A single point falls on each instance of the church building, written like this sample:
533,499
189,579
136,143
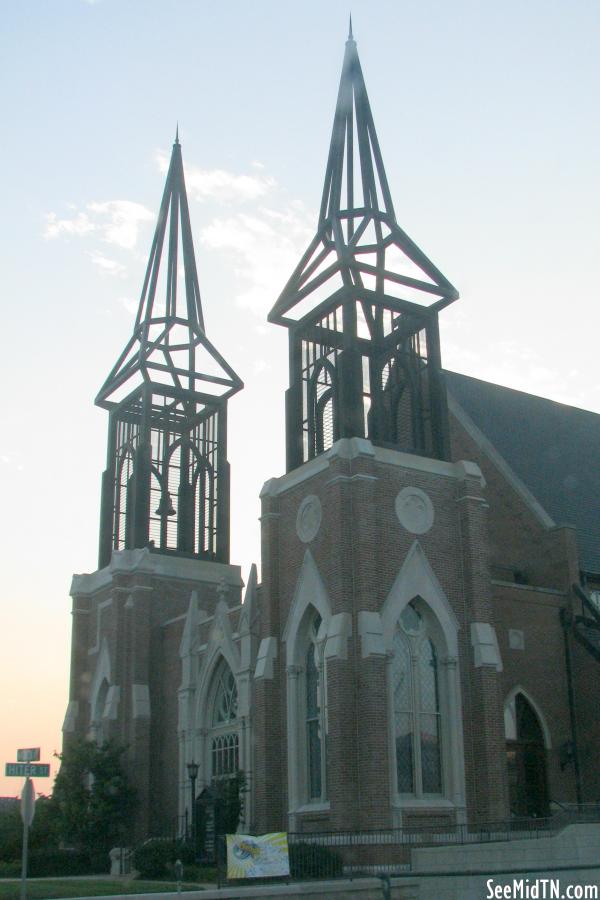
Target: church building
422,646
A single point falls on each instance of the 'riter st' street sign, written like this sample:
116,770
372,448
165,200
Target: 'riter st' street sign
23,770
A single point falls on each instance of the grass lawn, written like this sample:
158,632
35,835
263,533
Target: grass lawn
86,887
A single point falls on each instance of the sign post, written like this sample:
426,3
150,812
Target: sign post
27,765
27,814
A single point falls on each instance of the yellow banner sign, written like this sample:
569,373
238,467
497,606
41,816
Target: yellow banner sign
257,856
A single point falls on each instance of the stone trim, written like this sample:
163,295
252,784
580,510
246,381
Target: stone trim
338,634
416,578
510,715
527,587
70,719
370,630
140,701
265,659
134,562
111,707
353,448
485,646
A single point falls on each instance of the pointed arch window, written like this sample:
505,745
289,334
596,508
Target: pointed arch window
123,499
526,757
417,710
100,730
323,428
313,690
224,739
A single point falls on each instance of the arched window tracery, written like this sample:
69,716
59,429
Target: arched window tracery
224,740
417,711
323,428
123,500
98,721
312,696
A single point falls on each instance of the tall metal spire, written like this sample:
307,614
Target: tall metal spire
169,343
358,241
166,484
362,306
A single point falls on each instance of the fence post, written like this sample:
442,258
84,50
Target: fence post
386,887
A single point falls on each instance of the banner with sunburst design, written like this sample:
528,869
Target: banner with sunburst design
257,856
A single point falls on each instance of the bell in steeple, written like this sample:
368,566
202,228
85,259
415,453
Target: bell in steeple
362,306
167,396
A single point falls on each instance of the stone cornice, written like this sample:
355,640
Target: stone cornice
353,448
157,565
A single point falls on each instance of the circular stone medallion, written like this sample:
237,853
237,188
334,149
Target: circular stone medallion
414,510
308,519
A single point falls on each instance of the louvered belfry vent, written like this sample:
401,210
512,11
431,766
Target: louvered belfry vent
166,485
362,307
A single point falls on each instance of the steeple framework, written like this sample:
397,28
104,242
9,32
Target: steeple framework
166,484
362,306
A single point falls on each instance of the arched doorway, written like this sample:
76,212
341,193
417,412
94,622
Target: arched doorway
526,760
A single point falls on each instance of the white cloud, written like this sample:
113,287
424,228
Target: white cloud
129,304
120,220
263,254
513,365
219,184
259,366
116,222
108,266
79,225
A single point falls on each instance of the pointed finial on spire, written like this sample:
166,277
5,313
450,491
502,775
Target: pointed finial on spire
350,35
177,134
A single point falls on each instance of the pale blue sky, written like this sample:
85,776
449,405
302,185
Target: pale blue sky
487,115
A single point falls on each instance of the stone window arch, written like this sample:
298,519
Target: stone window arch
307,708
99,722
418,708
527,745
314,732
417,584
223,743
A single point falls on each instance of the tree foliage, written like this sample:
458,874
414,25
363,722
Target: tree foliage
42,834
229,808
93,801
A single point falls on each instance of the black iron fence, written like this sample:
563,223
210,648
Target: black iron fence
348,854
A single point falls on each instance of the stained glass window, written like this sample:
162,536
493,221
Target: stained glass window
313,725
225,698
224,742
225,752
417,727
403,715
431,770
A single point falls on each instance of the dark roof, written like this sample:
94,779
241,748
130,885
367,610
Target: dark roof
553,448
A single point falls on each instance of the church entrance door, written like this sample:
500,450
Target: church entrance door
526,759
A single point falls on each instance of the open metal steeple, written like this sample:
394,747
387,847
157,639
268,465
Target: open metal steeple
166,485
362,306
169,344
359,243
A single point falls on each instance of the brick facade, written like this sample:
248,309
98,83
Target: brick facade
155,628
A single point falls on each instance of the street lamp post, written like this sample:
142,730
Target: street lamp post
192,768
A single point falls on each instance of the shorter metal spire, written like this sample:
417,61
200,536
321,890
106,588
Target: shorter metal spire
177,134
350,35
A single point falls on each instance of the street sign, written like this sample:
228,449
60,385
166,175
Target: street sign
24,770
29,754
28,802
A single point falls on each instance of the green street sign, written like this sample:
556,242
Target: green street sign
23,770
28,754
